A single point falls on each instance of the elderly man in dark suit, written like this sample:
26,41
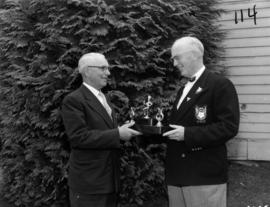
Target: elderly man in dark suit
94,137
204,117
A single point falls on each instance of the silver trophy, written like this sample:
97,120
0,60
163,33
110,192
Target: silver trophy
144,121
159,117
147,105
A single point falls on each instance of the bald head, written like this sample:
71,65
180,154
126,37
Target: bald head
189,44
187,55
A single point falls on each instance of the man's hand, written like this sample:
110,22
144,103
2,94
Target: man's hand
126,133
177,133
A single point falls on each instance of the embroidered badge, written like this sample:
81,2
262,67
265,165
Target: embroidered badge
201,113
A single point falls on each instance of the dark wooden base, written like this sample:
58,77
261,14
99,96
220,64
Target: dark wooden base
145,129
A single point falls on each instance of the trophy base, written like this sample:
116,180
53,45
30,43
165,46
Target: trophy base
151,130
146,127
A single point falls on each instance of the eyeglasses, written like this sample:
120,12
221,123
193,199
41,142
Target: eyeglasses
103,68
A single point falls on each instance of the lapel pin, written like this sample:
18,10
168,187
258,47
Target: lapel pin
188,98
199,90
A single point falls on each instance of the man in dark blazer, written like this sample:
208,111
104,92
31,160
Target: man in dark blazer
94,137
204,117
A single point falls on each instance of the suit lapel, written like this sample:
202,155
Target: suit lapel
194,94
95,104
114,118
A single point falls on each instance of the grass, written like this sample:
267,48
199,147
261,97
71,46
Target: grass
249,186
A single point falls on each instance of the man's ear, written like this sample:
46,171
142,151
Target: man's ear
87,72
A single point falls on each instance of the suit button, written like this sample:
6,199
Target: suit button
183,155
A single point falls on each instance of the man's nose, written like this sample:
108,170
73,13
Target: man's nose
108,72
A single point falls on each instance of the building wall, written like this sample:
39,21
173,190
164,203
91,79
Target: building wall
247,44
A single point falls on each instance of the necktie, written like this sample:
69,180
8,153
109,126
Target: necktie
105,104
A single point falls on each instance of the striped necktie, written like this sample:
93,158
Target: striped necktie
105,104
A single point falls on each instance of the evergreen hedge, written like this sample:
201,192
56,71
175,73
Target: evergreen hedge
41,41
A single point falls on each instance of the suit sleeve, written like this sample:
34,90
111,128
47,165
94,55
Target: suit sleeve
225,123
80,134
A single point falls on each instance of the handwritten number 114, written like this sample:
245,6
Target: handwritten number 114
249,15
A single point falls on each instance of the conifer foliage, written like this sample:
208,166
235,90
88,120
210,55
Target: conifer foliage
41,41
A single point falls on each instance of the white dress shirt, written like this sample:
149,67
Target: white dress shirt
94,91
189,85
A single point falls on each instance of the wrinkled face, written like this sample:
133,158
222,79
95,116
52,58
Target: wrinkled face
97,73
183,60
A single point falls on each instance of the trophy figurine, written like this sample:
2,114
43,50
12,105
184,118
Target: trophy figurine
144,121
131,113
147,104
159,117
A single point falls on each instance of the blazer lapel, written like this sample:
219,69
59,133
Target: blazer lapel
95,104
174,108
195,92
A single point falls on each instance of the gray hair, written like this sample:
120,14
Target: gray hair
88,58
194,43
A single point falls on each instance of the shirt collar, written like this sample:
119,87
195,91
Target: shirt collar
92,89
199,73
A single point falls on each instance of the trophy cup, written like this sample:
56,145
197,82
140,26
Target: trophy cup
145,123
146,119
159,117
147,104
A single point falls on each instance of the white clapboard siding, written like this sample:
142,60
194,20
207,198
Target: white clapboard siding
255,108
230,14
237,1
262,41
244,5
251,80
248,23
247,59
261,146
247,52
247,149
248,70
254,99
237,149
255,127
251,135
247,32
248,117
252,89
